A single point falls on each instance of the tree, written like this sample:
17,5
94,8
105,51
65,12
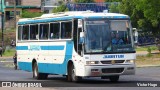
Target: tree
145,14
128,7
151,12
113,5
114,8
27,14
61,8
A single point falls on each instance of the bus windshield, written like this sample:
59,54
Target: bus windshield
113,36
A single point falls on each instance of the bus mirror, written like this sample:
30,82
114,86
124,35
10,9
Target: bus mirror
81,34
135,35
81,37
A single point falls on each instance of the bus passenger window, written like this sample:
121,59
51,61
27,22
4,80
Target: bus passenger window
25,32
44,28
33,32
54,30
66,30
20,28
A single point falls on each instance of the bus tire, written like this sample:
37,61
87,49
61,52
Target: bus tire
44,76
69,74
36,73
114,78
73,75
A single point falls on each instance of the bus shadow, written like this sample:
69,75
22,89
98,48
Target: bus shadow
89,81
86,82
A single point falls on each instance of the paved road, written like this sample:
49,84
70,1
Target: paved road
149,74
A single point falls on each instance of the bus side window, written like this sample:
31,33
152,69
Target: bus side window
20,28
33,32
66,30
44,28
79,42
54,30
25,32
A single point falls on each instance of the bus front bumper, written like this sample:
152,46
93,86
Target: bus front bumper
109,70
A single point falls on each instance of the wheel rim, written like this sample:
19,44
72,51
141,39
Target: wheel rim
35,72
73,74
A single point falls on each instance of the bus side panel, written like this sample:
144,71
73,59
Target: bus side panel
27,66
58,68
22,59
68,55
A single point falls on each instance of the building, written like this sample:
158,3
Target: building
45,6
29,5
48,5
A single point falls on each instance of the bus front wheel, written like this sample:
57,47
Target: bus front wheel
72,75
36,73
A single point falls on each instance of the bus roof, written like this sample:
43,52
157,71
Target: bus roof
69,15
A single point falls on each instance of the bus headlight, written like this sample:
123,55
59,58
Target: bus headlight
130,61
92,62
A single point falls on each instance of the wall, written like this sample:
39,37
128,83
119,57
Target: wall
31,3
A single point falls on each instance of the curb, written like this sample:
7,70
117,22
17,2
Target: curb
6,61
143,66
6,57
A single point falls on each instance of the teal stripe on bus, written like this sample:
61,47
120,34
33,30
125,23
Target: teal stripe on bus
21,47
27,66
60,47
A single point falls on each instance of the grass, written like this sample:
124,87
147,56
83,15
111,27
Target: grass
154,59
9,52
145,48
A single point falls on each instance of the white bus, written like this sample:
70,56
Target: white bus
76,45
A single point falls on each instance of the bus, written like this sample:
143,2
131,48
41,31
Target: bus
76,44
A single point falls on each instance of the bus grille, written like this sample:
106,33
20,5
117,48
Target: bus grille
111,61
112,70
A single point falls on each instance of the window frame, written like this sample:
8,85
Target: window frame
39,30
20,33
59,33
28,32
71,37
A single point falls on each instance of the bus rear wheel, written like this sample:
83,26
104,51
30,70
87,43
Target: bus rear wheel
36,73
114,78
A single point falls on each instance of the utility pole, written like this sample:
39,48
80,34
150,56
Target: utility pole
15,14
2,23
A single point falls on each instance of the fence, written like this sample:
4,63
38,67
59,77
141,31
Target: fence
96,7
